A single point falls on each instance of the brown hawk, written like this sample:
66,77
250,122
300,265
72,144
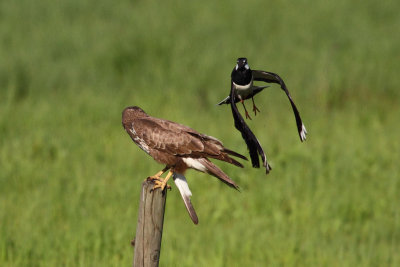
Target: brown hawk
179,148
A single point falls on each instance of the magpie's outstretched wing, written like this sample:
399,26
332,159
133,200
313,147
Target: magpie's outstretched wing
252,143
256,90
269,77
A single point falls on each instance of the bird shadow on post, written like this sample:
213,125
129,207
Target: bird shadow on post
149,227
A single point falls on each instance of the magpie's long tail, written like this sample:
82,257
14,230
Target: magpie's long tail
253,145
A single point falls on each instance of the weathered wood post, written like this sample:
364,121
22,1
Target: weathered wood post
149,226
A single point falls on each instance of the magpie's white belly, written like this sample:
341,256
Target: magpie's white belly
243,90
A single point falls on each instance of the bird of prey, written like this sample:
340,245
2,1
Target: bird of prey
242,88
179,148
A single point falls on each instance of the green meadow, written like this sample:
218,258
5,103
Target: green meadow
70,176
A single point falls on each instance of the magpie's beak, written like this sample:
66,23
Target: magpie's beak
241,63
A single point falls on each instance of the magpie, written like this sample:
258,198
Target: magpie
242,82
242,88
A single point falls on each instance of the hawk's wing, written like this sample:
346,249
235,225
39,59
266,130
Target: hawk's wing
178,128
180,140
167,136
253,145
269,77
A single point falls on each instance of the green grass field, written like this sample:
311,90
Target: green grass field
70,176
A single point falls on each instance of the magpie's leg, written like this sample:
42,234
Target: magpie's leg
162,183
245,110
255,109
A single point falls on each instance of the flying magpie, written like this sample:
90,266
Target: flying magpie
242,88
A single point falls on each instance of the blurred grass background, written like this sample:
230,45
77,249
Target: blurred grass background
70,176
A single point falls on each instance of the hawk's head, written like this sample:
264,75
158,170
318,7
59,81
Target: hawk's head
131,113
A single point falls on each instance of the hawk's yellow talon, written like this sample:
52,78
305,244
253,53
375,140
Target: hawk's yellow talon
159,182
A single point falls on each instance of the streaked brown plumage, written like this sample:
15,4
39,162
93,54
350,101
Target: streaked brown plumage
177,146
170,143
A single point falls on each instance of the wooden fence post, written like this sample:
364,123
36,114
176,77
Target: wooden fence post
149,226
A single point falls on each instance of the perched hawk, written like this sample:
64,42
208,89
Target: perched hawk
179,148
242,88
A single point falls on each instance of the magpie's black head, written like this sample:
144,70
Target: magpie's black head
242,63
241,74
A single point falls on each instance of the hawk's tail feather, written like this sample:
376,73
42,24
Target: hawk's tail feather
230,160
183,187
233,153
213,170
